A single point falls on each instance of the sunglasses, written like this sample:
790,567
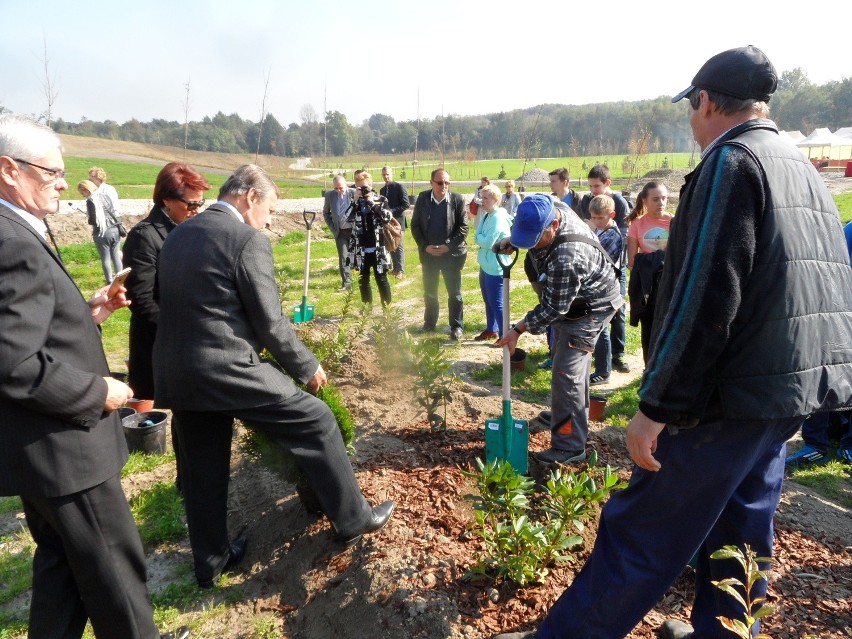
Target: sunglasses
440,183
192,205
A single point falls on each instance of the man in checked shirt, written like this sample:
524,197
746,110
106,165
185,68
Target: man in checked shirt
579,294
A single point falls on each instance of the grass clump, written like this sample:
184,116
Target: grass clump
159,514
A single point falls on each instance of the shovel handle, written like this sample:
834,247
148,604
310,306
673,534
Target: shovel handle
309,223
507,266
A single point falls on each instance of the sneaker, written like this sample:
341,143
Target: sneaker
620,365
597,378
547,364
557,456
844,455
806,456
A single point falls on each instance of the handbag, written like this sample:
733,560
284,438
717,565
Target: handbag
392,232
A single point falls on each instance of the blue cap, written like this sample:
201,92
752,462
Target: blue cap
534,214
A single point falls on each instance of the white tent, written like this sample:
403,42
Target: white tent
822,143
793,136
845,132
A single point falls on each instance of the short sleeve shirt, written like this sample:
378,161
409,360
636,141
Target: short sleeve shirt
651,233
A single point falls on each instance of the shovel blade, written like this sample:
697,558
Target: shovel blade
512,446
303,313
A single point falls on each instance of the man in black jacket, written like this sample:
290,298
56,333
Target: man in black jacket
754,315
439,226
397,198
63,444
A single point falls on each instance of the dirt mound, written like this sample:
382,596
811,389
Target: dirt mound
534,176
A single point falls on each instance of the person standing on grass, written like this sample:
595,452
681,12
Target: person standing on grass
647,238
510,199
602,223
600,183
105,232
494,225
106,191
367,250
560,184
398,202
439,226
63,443
753,316
335,212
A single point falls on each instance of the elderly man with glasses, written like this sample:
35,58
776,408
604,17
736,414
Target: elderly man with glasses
336,211
439,226
63,444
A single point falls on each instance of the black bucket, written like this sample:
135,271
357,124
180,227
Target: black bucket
126,411
146,432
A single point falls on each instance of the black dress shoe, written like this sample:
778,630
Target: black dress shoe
236,553
456,334
379,517
180,633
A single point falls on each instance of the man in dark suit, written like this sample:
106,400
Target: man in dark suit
439,226
63,445
219,308
397,198
335,211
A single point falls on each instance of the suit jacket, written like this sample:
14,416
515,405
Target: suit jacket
142,254
56,438
398,201
457,225
219,309
329,210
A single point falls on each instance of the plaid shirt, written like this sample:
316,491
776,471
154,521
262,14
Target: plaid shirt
571,270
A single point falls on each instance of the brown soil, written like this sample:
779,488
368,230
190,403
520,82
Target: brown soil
408,580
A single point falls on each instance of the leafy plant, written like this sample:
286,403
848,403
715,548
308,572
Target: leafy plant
393,345
432,364
754,609
522,543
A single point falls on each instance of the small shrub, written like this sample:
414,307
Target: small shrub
522,543
432,364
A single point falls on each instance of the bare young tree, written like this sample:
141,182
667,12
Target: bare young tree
262,114
186,118
49,84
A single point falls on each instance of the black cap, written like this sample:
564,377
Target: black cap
744,73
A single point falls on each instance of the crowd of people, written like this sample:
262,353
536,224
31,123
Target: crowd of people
738,296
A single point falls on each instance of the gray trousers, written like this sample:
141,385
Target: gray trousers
573,343
342,241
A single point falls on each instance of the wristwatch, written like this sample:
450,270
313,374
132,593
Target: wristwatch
517,329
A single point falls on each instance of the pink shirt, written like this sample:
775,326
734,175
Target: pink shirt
651,233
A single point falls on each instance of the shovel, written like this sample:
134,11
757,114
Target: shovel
507,438
304,312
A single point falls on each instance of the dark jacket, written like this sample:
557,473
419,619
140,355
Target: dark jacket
142,254
457,225
219,309
755,301
644,282
398,201
57,440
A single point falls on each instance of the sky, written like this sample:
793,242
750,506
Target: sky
126,59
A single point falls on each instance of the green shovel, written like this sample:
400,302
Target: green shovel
304,312
507,438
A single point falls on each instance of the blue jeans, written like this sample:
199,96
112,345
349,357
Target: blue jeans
109,250
603,349
492,294
719,484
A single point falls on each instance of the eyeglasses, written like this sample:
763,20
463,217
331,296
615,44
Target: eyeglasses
192,205
441,183
56,174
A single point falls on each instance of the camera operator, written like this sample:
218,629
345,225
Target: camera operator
370,212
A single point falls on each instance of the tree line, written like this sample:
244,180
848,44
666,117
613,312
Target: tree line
548,130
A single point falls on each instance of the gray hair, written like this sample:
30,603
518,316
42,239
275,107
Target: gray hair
24,138
729,105
249,176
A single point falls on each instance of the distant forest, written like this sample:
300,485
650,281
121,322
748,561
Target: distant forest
548,130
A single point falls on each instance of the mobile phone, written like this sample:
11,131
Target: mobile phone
117,282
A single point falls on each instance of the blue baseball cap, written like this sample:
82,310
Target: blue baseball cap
534,214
